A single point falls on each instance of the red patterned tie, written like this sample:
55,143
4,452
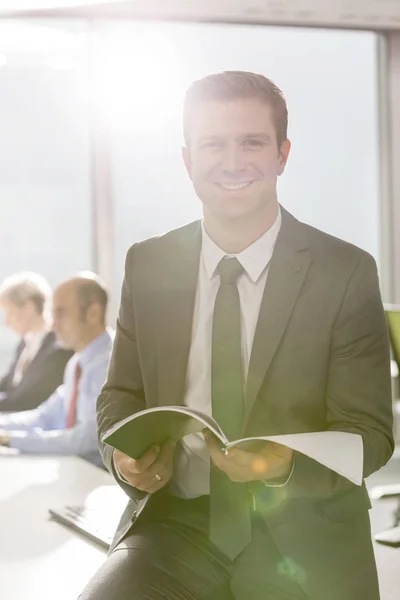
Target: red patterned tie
71,416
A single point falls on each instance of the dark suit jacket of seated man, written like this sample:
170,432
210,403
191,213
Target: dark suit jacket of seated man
66,422
314,354
39,362
40,379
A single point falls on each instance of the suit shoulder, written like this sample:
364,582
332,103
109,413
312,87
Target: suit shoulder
158,244
169,238
333,249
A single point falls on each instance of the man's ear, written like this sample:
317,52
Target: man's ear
94,314
186,159
284,152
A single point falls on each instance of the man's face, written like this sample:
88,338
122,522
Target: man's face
233,158
18,318
67,319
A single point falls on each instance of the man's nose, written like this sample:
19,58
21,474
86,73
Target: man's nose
233,160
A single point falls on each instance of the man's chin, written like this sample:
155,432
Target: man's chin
232,211
233,207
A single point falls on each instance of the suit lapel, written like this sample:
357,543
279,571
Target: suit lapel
287,272
175,312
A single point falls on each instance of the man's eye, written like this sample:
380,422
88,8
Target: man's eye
251,142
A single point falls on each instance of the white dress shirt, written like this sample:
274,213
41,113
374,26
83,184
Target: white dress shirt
192,467
33,341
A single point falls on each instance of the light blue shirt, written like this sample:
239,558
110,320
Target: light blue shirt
43,430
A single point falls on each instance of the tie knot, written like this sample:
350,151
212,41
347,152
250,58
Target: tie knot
229,270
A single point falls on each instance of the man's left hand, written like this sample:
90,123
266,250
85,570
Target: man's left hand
270,460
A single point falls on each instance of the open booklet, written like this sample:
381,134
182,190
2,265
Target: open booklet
339,451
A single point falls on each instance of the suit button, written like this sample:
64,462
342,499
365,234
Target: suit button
297,268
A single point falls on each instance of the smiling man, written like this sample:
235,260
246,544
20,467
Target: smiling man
272,327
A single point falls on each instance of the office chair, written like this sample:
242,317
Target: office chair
392,312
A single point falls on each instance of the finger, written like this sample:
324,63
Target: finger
157,470
121,462
166,454
277,449
156,478
156,486
214,449
145,481
118,455
120,458
151,486
213,443
218,455
161,468
282,451
145,461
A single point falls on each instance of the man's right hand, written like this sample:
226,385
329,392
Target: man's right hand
152,471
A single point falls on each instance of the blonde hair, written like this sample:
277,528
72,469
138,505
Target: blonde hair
27,286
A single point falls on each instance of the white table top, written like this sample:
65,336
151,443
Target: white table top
37,555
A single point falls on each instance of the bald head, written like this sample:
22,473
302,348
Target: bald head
79,309
88,289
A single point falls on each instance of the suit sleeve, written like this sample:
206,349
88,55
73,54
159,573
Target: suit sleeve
7,379
122,394
5,384
27,397
358,393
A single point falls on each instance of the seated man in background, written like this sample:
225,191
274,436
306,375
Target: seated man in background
38,366
66,422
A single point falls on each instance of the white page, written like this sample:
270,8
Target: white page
196,421
340,451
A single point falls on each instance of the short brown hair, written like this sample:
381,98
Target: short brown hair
235,85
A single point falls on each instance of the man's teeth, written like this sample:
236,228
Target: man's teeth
231,187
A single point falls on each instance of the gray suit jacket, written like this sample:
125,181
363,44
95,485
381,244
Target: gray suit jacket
320,361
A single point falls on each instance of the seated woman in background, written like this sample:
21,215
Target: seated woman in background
39,362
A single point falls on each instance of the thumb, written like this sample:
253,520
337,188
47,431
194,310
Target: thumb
167,451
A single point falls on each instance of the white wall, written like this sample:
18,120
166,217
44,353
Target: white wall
142,71
45,204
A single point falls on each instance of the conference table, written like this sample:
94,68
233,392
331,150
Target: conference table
39,558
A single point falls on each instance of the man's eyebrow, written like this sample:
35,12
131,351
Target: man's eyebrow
207,138
260,136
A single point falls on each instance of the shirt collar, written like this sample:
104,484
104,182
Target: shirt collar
35,337
253,259
91,350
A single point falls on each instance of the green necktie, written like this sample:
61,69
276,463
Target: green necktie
230,524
